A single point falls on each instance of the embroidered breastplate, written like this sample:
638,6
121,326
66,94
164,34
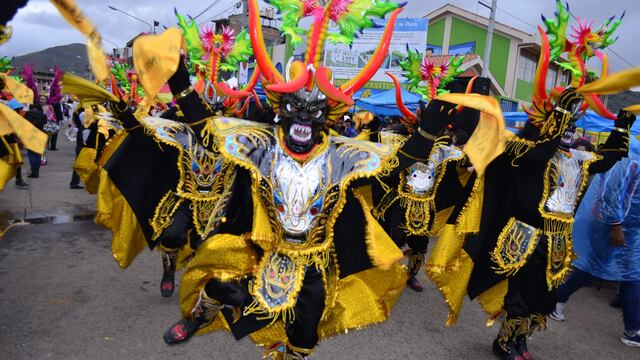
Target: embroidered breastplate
204,177
300,201
417,190
564,180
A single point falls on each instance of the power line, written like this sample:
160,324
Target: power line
218,14
517,18
620,57
213,3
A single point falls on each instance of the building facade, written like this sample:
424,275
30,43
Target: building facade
514,52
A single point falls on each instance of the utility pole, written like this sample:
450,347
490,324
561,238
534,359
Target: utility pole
245,13
487,48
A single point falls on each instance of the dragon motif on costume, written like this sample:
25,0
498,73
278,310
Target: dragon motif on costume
209,53
582,44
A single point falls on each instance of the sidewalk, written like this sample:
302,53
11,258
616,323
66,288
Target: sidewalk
49,195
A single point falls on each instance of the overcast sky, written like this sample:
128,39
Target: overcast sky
38,25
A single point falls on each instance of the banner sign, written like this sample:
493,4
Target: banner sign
346,62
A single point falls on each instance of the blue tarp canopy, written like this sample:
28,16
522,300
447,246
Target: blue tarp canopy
384,103
590,121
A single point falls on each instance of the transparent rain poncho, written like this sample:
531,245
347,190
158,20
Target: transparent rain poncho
613,197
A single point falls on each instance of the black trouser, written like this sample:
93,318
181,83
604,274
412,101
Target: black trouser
53,140
302,331
418,244
175,236
528,292
394,227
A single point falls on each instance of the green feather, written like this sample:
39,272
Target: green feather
412,68
241,52
192,41
291,11
359,16
570,67
557,30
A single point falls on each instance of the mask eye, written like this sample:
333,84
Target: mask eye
317,114
288,107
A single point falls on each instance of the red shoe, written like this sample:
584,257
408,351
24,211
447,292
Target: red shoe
521,347
414,284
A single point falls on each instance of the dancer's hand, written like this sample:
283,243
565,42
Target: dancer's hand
625,120
616,235
436,115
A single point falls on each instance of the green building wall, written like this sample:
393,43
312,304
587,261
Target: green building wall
463,32
524,90
435,33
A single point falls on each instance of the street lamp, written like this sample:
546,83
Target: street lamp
151,27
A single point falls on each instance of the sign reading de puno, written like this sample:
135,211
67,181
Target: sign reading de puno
346,62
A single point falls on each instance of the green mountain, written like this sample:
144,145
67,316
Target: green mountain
70,58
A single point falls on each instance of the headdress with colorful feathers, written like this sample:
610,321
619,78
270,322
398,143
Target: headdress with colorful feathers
209,53
424,70
310,76
27,75
580,46
124,83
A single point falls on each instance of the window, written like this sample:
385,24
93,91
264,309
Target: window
551,78
564,78
526,67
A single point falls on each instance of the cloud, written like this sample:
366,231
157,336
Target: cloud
38,26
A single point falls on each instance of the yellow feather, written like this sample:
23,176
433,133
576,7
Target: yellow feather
614,83
488,138
633,108
88,92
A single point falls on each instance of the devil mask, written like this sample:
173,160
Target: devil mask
302,117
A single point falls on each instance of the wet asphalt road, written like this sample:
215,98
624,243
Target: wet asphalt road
63,297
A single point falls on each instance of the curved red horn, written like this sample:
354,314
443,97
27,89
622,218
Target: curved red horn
244,107
302,76
467,91
263,59
403,109
257,100
596,104
224,89
253,80
353,85
324,84
540,79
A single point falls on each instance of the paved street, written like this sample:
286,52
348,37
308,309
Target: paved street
63,297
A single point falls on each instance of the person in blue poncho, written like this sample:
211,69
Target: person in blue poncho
607,240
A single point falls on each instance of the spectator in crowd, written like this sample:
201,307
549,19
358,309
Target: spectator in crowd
18,107
607,240
80,141
583,144
37,118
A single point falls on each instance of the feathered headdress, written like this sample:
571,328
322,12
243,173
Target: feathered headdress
124,83
27,75
310,76
419,70
580,46
209,53
55,89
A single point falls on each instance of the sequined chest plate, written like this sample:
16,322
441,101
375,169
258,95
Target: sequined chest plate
565,178
298,193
